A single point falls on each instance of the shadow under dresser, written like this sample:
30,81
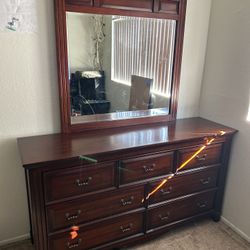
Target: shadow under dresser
105,198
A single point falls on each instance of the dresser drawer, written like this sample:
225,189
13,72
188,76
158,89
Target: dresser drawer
184,184
180,209
94,207
142,168
100,233
211,155
79,180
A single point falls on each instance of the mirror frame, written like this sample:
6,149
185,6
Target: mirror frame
63,6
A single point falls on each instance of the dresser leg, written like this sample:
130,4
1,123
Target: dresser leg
216,216
31,237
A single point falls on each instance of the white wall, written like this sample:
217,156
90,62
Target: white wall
225,99
194,50
80,32
28,106
29,99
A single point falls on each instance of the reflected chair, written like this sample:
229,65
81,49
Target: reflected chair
140,93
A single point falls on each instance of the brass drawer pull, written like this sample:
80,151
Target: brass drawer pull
205,182
74,216
202,204
201,158
149,168
164,218
166,192
74,244
84,183
127,202
126,229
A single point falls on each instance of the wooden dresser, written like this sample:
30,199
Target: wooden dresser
105,198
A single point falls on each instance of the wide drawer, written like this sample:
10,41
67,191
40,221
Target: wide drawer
184,184
79,180
100,233
211,155
180,209
94,207
142,168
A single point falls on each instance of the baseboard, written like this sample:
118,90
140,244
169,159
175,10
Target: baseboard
15,239
236,229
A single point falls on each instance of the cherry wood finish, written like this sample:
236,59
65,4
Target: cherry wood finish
138,5
211,155
142,168
78,181
80,2
101,233
167,6
108,207
179,209
141,8
186,183
53,150
101,205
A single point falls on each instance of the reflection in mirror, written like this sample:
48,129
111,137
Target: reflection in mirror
119,67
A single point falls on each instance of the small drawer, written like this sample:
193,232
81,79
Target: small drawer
167,6
79,180
98,206
184,184
100,233
211,155
146,167
80,2
180,209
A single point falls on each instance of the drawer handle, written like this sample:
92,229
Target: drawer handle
126,229
74,216
164,218
74,244
202,204
205,182
127,202
166,192
84,183
201,158
149,168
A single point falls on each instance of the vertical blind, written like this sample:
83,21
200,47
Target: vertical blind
143,47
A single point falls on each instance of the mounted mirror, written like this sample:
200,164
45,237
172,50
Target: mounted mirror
118,64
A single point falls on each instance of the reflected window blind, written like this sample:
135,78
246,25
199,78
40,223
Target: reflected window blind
143,47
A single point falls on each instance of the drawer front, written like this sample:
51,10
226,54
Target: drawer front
80,2
68,183
211,155
167,6
142,168
185,184
139,5
94,207
180,209
100,233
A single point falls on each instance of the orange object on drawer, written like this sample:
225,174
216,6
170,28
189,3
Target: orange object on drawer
211,155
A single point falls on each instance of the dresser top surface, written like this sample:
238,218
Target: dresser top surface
46,148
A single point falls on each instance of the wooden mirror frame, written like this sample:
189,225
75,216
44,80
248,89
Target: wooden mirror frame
166,9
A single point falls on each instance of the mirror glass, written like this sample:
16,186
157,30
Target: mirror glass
120,67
